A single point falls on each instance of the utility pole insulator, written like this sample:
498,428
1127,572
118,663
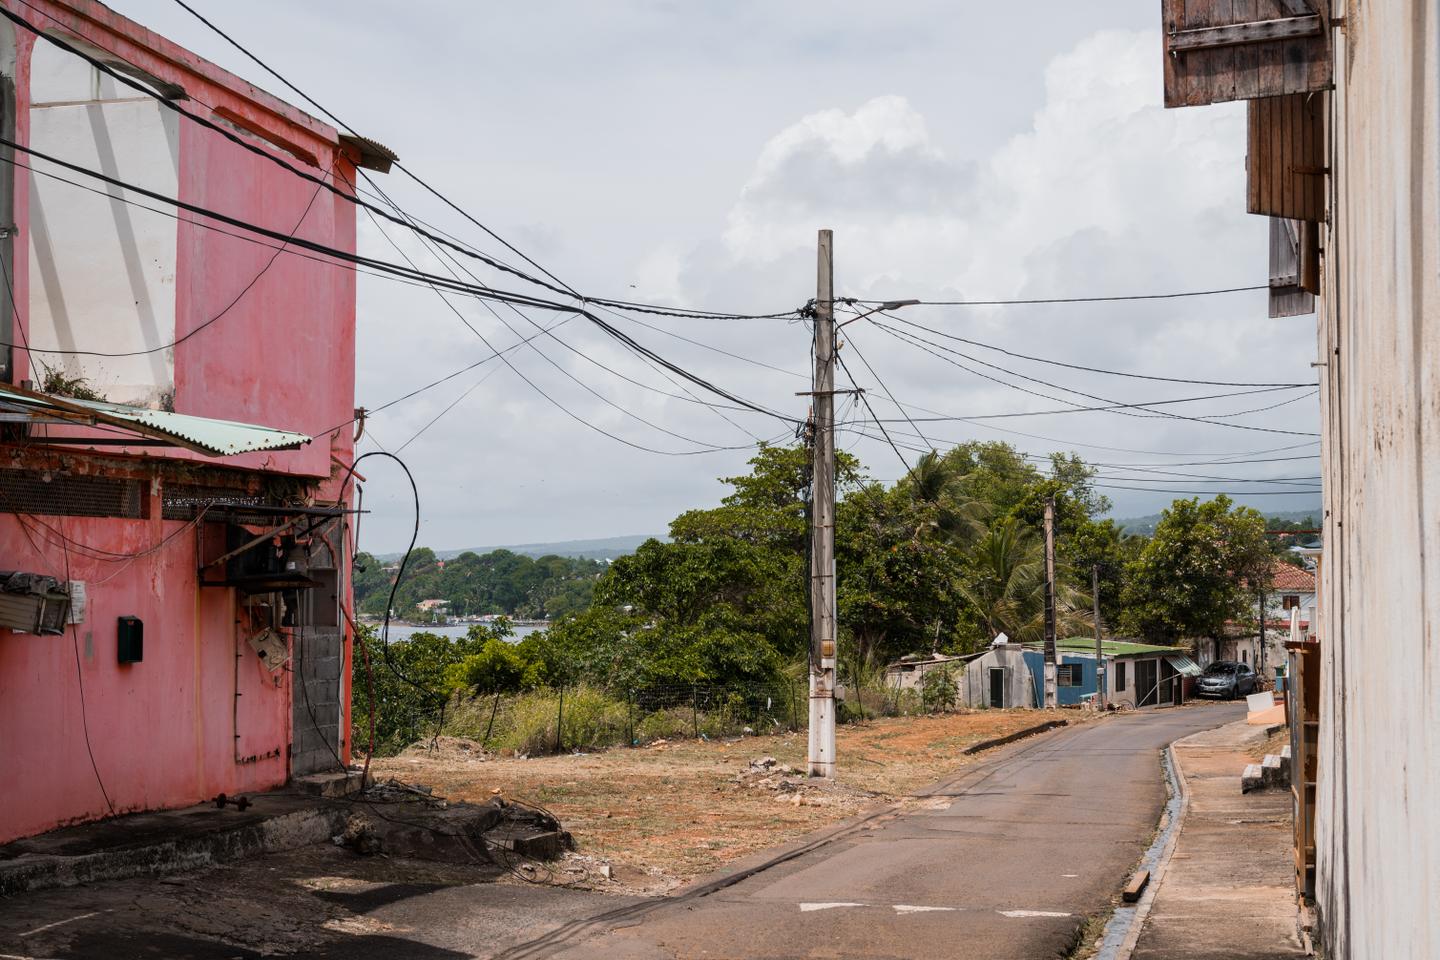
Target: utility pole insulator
821,753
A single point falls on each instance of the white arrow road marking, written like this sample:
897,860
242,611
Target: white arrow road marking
1031,913
812,907
907,908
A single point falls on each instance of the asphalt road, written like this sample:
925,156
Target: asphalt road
1006,860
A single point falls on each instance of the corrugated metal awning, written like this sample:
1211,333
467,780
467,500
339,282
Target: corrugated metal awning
218,438
1184,666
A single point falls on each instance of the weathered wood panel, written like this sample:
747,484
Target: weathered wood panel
1285,169
1220,50
1289,244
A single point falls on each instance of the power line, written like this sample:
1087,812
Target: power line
621,304
854,346
1088,369
477,290
1045,300
556,403
920,342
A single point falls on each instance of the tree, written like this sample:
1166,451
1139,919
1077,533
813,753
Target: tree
1189,579
1005,585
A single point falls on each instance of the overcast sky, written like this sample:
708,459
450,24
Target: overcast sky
687,152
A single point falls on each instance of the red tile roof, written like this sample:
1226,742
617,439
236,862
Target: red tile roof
1290,579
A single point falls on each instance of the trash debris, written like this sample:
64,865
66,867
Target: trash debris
763,763
359,835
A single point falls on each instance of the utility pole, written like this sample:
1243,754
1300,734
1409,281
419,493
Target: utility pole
821,755
1050,695
1260,654
1102,672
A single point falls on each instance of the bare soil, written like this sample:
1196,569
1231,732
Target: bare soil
666,813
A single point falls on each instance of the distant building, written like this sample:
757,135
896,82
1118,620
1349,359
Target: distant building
1137,674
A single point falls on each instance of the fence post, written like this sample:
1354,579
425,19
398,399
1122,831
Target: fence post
491,725
695,707
630,718
559,718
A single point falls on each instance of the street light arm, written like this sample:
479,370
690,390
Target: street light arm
887,305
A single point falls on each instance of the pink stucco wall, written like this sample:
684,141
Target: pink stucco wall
163,731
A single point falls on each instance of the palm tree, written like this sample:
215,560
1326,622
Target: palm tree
1007,586
936,485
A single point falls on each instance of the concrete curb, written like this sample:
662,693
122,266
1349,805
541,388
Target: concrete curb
1122,932
288,831
975,748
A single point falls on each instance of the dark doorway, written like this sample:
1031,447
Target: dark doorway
1147,682
997,686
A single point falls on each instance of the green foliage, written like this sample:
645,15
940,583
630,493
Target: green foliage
1188,579
938,690
413,679
499,582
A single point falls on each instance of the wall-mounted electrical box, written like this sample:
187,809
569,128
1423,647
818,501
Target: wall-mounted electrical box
130,640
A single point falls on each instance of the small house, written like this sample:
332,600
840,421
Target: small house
1136,674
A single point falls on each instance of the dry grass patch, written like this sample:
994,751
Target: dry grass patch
673,811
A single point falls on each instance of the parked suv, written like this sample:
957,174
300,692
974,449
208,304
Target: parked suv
1225,679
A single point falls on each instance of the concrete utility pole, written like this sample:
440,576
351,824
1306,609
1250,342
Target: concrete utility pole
1102,672
821,756
1050,695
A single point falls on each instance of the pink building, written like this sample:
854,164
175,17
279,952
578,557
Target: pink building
177,677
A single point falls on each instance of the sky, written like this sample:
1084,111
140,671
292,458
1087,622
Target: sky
687,153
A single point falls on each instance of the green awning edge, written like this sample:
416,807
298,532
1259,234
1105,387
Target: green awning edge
219,438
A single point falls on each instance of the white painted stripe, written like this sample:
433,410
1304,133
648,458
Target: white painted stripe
1031,913
61,923
812,907
907,908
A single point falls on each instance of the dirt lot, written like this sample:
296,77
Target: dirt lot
669,812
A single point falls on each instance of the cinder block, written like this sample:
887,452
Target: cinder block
1252,779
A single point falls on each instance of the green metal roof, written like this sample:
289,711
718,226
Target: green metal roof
1114,648
220,438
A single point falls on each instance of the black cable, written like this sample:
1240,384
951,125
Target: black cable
866,401
80,681
534,386
1125,409
856,347
480,291
1110,299
1099,446
621,304
1078,366
256,149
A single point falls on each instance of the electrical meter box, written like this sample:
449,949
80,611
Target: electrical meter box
130,640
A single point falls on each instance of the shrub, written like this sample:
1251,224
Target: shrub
588,718
938,691
672,723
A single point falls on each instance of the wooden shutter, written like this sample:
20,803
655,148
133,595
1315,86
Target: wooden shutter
1285,168
1294,267
1219,50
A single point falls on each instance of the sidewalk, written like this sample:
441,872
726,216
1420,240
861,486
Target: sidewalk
1229,889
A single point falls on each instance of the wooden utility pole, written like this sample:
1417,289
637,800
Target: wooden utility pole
1050,694
1102,672
821,755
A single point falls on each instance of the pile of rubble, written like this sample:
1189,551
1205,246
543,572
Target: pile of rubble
790,784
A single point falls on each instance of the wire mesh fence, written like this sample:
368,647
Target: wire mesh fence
588,717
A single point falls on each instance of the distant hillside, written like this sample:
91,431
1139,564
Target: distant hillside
1146,525
607,548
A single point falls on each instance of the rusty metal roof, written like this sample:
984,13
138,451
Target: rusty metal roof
218,438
